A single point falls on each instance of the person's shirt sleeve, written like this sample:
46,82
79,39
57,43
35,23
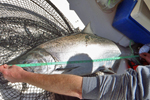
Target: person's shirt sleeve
134,85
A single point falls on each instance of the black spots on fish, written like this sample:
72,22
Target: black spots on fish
87,38
92,38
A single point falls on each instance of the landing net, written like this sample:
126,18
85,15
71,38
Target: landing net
25,24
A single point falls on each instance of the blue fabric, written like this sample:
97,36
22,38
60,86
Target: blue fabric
133,85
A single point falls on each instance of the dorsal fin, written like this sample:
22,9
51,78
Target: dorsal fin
88,29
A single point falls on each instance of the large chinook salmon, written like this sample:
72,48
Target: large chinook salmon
81,46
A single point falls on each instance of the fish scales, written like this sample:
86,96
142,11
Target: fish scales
81,46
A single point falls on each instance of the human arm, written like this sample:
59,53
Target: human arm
133,85
70,85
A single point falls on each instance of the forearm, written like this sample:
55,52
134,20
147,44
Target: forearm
70,85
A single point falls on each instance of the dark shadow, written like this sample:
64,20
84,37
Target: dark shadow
63,97
79,68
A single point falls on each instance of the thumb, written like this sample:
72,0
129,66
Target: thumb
1,68
6,66
143,55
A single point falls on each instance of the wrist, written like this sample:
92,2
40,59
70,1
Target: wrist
24,76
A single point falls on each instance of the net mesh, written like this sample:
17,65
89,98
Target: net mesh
24,24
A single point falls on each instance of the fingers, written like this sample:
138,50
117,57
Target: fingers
3,67
144,55
6,66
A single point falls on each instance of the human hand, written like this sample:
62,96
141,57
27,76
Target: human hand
145,56
12,73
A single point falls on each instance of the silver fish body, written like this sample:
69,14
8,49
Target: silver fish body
76,47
